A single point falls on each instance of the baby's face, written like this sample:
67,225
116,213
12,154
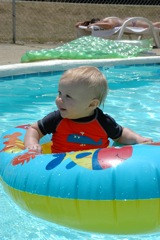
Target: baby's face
73,100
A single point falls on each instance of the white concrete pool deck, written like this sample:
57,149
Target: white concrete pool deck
10,60
12,53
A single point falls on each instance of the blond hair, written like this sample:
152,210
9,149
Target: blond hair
89,77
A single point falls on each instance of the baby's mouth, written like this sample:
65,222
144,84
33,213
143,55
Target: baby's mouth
62,109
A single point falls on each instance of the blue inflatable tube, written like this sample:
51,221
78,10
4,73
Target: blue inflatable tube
112,190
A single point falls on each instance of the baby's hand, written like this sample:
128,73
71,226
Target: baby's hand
147,140
35,147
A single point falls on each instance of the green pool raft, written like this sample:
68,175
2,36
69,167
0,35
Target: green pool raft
90,47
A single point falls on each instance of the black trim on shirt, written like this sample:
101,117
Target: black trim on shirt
50,122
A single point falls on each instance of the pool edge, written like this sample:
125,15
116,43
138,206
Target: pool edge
58,65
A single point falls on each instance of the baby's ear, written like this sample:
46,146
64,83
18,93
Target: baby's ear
94,103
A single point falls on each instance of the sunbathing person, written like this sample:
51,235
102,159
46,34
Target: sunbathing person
111,22
106,23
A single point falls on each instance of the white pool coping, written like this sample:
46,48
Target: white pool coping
58,65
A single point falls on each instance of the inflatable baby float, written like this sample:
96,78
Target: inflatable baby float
113,190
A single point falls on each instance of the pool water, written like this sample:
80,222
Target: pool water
134,102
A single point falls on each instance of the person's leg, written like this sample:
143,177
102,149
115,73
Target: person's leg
156,24
140,24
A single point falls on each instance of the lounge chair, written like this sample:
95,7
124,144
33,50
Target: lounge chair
123,30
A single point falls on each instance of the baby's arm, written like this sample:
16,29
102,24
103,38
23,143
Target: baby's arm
32,137
130,137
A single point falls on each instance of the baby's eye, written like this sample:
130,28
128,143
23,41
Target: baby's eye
68,96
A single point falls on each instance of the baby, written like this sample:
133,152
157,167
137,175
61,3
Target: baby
79,124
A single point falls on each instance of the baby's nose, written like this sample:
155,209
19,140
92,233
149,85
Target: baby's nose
60,99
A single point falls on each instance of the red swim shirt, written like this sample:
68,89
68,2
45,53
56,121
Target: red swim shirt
81,134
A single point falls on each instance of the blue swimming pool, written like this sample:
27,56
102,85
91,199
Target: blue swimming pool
133,101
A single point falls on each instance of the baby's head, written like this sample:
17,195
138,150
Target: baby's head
90,79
